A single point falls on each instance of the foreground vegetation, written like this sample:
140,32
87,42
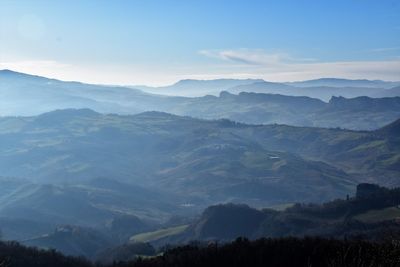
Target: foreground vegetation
241,252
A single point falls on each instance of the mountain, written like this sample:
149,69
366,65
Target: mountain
372,156
337,82
322,92
264,87
392,92
162,151
21,229
371,213
323,88
257,108
373,110
23,94
27,95
195,88
72,241
50,203
64,154
121,227
13,254
227,222
88,205
391,131
89,243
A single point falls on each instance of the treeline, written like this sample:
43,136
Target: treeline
12,254
278,252
242,252
368,197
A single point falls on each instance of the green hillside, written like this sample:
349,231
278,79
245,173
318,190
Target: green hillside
158,234
391,213
86,168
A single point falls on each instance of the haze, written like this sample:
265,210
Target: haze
158,43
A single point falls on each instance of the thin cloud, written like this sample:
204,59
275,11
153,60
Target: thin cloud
385,49
283,67
278,68
256,57
29,65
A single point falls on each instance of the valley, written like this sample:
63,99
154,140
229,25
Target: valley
102,179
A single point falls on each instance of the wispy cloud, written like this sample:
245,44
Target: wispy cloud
29,65
284,67
96,73
385,49
257,57
242,63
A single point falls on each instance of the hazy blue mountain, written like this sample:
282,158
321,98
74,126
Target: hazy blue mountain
337,82
322,92
265,87
252,108
194,88
392,92
23,94
373,156
28,95
323,88
20,229
55,204
73,241
211,161
89,205
358,113
208,160
9,184
299,111
120,175
390,131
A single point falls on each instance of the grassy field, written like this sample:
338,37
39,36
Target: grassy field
158,234
280,207
379,215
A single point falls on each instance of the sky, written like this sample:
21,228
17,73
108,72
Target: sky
158,42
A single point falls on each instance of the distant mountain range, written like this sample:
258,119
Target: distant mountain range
335,82
27,95
323,88
197,88
322,92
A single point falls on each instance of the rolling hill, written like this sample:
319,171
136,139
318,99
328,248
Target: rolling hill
107,171
371,215
211,161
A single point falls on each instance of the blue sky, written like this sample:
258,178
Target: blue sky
159,42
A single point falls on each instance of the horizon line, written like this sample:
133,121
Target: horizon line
191,79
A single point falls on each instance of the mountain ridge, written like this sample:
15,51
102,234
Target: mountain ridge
26,98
